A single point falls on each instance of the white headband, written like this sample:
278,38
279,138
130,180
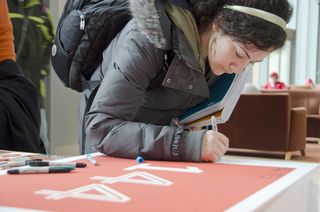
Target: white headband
260,14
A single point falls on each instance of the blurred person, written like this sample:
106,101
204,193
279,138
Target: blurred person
19,105
309,82
33,37
274,83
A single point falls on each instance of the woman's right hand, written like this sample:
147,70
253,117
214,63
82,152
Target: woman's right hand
214,146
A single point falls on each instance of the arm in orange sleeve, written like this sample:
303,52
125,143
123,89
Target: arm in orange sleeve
6,33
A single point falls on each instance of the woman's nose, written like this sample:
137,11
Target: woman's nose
238,66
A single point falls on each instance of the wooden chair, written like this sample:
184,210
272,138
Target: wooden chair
297,87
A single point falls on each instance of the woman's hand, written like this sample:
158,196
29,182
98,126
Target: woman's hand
214,146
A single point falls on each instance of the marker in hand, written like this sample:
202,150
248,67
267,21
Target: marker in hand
214,123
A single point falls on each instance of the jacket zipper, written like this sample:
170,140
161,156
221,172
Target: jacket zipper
82,22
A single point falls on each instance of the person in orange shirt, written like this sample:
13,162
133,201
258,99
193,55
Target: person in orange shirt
19,103
274,83
6,35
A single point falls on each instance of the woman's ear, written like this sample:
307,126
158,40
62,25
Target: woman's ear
215,28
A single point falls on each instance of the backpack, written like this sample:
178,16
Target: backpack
85,29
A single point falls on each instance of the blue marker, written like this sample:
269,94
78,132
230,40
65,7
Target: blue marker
139,159
66,167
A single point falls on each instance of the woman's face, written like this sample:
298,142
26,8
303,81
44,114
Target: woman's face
230,56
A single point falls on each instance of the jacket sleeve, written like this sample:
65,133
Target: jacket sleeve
265,86
283,86
19,111
109,124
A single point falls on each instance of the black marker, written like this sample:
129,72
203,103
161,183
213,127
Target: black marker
19,163
37,170
56,163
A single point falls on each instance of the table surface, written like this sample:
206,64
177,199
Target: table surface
123,184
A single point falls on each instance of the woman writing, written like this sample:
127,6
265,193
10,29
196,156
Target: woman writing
186,45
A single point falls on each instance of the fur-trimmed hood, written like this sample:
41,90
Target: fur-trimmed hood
152,20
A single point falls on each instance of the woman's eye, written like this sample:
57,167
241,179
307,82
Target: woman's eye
238,55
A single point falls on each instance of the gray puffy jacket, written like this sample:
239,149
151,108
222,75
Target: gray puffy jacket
128,120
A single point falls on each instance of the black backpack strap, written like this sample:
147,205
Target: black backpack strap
90,84
88,105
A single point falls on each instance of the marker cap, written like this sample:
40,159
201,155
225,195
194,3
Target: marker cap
139,159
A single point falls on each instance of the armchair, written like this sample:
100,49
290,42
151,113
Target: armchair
266,122
310,99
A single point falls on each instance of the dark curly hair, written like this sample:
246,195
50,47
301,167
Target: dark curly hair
242,27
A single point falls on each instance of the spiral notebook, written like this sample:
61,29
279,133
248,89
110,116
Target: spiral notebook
224,96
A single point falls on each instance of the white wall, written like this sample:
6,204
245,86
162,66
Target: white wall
306,40
62,106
